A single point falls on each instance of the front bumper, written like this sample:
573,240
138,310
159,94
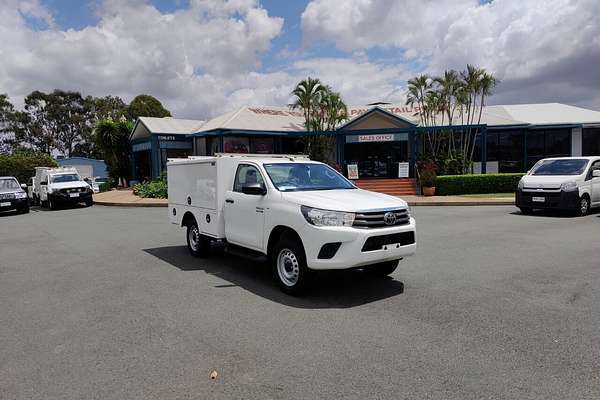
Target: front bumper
552,200
65,198
358,247
14,204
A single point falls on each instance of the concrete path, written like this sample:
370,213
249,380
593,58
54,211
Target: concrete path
126,198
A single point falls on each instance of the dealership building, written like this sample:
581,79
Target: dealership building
380,140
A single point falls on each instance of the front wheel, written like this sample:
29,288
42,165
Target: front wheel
89,203
24,210
583,206
289,267
51,204
526,210
198,244
384,268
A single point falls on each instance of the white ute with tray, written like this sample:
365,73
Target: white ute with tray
301,215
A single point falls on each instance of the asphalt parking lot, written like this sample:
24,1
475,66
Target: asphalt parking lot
106,303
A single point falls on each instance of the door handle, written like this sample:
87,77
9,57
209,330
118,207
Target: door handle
229,201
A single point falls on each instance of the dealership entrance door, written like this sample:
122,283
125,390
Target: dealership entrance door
377,156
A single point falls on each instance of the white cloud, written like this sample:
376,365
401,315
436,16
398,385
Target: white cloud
542,50
190,59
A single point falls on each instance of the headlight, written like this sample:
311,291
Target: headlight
320,217
521,184
570,186
21,195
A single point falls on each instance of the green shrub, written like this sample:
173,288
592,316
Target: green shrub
474,184
22,165
156,189
105,187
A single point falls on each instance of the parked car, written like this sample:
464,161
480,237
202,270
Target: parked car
299,214
61,186
13,195
565,183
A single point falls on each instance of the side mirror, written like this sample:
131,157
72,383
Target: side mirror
596,173
257,189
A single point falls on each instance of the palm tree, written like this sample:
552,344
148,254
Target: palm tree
448,86
112,138
307,95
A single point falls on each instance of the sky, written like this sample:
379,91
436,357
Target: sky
205,57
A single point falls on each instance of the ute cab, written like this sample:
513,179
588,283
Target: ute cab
565,183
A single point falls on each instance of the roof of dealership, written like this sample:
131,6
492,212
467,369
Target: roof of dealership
284,119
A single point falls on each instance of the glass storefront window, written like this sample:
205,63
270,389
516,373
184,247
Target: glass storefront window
591,141
510,151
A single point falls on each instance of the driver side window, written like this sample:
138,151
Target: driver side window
246,175
595,167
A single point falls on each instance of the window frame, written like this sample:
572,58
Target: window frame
237,171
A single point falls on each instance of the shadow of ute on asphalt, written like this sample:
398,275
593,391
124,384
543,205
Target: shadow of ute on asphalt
332,289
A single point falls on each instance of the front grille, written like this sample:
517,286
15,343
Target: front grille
73,190
399,239
7,196
377,219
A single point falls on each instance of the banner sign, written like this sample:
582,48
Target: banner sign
352,171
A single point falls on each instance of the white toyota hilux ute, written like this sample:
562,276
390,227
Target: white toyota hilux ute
60,186
563,183
302,215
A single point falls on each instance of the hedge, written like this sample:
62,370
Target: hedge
475,184
22,165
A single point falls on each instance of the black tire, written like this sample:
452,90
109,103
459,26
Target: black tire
384,268
89,203
526,210
583,206
288,262
198,244
51,204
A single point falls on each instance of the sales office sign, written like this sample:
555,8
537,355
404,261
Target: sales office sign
376,138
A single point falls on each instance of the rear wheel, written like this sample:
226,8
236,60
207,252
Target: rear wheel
198,244
289,267
384,268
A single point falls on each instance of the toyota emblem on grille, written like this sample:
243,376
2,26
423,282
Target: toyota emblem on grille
389,218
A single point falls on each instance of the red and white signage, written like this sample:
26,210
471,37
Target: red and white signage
389,137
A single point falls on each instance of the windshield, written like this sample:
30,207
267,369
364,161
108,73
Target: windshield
288,177
572,166
9,184
65,178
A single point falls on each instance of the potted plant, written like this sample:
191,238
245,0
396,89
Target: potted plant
427,177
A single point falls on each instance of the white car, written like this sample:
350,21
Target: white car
60,186
302,215
565,183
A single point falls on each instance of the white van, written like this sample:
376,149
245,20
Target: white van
302,215
565,183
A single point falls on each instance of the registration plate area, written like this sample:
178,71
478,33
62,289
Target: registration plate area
73,194
538,199
5,204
